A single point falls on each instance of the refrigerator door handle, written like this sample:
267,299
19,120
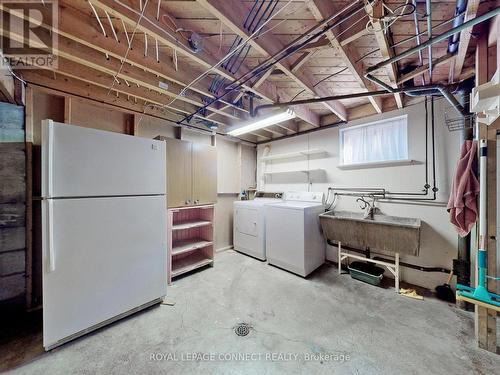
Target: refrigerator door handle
50,236
50,157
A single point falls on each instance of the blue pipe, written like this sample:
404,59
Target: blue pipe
454,40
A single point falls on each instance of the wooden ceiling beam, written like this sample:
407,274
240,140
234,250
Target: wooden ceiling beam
234,15
424,68
59,84
87,56
210,56
377,11
463,46
76,62
79,88
322,10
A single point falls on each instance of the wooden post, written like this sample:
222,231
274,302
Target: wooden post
28,134
68,102
486,318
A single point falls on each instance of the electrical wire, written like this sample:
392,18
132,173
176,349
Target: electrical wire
129,47
317,83
391,18
201,76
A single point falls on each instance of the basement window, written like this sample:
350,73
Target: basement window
382,142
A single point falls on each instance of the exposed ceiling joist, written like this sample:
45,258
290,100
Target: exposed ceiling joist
207,58
234,15
424,68
72,48
377,11
322,10
465,35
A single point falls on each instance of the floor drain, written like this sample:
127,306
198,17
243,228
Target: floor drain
242,329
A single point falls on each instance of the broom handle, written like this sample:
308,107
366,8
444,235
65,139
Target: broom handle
449,277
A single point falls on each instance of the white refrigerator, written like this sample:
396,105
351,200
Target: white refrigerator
103,228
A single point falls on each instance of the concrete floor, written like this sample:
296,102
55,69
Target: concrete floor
374,330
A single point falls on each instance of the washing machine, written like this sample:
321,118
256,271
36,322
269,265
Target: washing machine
294,240
249,224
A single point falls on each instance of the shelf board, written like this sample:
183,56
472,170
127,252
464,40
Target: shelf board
379,164
296,154
296,171
188,224
185,246
190,263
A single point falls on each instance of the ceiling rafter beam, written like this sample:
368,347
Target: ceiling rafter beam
71,49
207,58
233,17
465,36
323,10
424,68
377,11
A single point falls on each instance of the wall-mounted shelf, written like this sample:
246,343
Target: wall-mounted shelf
295,171
296,154
190,239
380,164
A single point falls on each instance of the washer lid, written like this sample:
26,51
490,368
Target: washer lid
297,205
257,202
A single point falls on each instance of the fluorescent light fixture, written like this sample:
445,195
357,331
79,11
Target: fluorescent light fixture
263,122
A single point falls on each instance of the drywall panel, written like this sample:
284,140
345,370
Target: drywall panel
224,221
228,165
248,166
438,238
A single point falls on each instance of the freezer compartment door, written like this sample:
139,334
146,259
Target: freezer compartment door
82,162
102,257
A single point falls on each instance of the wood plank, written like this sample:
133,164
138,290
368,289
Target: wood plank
69,48
465,35
12,286
12,262
7,87
12,239
322,10
12,215
207,58
377,11
234,16
485,319
424,68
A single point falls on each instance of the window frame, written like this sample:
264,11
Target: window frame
378,162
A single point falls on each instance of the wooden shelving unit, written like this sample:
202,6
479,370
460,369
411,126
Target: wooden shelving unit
190,239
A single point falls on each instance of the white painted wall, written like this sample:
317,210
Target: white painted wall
438,238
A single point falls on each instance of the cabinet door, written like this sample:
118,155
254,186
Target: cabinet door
179,173
204,174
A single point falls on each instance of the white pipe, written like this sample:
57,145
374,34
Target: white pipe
482,192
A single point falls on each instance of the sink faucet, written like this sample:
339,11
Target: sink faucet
367,207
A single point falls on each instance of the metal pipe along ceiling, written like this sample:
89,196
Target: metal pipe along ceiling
453,41
441,88
282,54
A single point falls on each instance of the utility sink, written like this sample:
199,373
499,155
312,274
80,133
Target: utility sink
391,234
